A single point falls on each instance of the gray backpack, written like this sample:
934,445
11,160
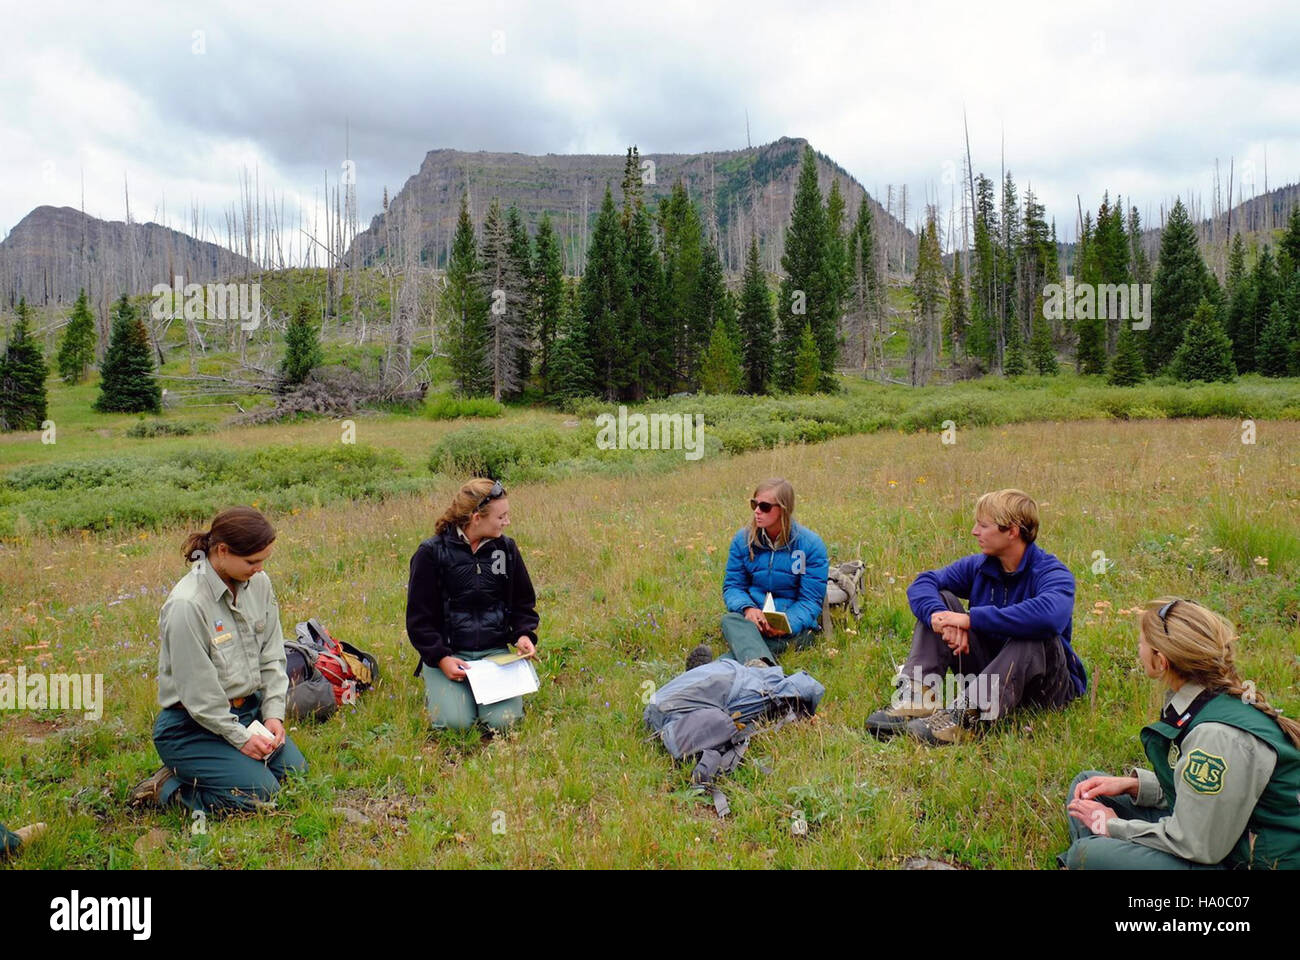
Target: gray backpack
310,692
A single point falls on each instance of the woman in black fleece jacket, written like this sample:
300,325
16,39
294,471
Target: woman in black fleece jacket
469,597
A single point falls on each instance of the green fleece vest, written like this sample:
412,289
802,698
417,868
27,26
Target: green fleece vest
1271,839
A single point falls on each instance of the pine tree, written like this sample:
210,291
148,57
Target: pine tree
127,383
464,308
1089,324
720,369
1273,352
1126,366
1041,351
757,325
605,302
503,288
647,343
1178,288
571,373
1114,252
804,296
22,377
807,362
1245,328
867,290
1015,363
1205,352
1236,265
839,275
927,288
683,259
77,350
1290,242
982,341
520,252
302,349
546,294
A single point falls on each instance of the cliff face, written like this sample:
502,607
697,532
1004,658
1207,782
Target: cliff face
55,251
739,193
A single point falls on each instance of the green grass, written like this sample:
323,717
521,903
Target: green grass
628,570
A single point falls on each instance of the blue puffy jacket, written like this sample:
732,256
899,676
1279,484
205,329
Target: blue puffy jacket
795,575
1036,602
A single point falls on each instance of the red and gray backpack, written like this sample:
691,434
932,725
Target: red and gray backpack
325,673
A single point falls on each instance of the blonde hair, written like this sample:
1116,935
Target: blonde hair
784,497
1201,647
464,505
1010,508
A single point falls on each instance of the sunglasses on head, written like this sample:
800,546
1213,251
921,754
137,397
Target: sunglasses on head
1163,614
495,493
762,506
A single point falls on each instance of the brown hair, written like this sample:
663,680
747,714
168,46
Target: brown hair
1010,508
785,500
244,530
464,505
1201,647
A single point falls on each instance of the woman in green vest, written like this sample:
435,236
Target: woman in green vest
1223,790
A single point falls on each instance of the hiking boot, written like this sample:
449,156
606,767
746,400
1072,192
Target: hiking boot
148,791
911,703
955,724
699,656
758,662
30,832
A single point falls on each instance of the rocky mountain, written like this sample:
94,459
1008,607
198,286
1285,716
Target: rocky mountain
739,193
55,251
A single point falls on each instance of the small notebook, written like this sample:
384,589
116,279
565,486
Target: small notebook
775,619
259,728
493,682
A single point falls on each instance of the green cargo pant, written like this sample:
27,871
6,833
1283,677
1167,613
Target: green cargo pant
210,774
451,704
9,842
1089,851
746,642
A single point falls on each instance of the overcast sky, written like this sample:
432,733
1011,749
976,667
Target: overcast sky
178,97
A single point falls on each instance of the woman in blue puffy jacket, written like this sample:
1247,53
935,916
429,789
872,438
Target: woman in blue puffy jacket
770,555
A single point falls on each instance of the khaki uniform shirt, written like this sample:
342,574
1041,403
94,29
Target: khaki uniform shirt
215,646
1204,827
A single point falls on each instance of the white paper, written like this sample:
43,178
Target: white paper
259,728
492,683
769,605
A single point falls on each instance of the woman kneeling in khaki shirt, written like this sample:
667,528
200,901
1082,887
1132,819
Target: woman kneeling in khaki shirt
221,667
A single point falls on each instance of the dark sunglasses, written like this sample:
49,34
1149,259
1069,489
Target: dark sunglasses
495,493
762,506
1163,614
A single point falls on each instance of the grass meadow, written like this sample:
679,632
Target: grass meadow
628,564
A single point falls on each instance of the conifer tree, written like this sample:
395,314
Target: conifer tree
807,362
720,369
1126,366
77,349
1205,352
127,383
1273,352
22,376
302,349
464,307
804,295
546,293
1178,288
757,326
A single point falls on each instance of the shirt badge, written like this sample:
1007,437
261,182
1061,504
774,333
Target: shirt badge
220,625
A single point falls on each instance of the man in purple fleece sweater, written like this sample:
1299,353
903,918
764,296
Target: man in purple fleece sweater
1011,648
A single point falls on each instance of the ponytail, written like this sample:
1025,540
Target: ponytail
244,530
1201,647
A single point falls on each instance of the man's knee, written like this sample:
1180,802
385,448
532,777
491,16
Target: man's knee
500,721
289,760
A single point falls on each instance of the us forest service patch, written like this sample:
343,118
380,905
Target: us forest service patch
1204,771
